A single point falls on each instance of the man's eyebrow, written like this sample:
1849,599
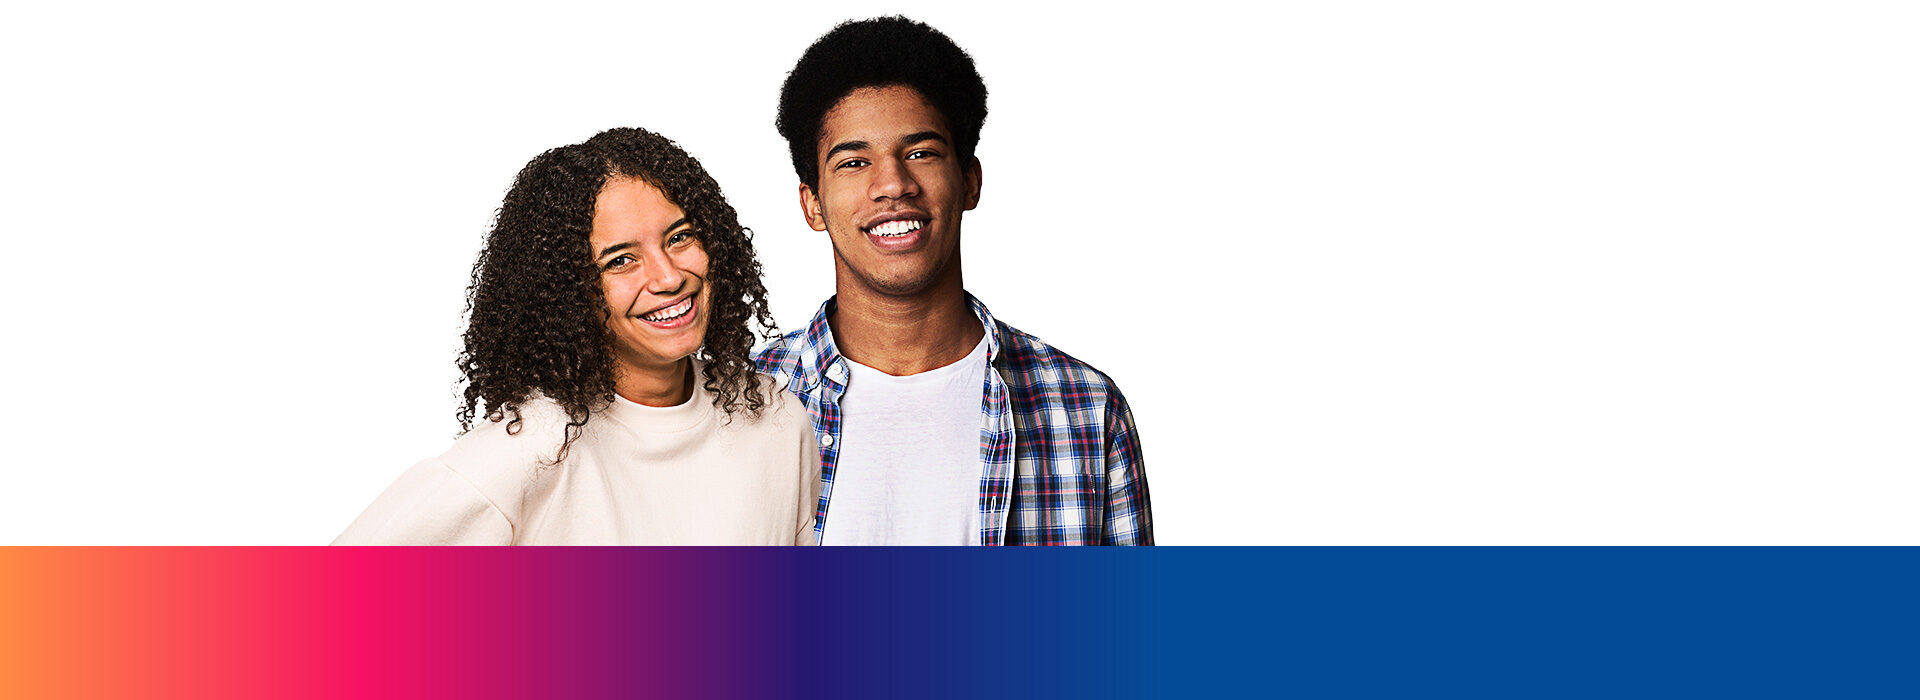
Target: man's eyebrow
847,146
914,137
922,136
617,247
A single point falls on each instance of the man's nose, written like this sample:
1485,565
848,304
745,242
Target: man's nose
892,180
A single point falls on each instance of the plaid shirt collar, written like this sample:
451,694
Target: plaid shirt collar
818,356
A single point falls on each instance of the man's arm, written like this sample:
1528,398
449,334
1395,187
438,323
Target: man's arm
1129,513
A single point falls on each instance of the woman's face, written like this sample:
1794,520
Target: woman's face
653,271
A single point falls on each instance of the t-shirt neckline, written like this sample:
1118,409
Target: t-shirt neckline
938,374
666,419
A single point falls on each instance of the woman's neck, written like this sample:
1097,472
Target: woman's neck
657,385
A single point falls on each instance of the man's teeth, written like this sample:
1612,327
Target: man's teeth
895,228
671,312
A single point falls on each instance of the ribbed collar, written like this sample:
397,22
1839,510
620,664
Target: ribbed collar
690,414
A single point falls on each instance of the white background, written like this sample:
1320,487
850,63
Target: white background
1369,272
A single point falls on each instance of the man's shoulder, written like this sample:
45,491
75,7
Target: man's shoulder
1031,365
781,357
784,349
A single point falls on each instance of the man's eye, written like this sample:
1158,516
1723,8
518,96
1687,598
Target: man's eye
850,163
922,153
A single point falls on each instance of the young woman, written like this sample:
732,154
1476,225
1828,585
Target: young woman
610,321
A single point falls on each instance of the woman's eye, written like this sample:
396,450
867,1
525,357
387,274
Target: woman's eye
679,238
618,262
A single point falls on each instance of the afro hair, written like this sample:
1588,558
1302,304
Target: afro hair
879,52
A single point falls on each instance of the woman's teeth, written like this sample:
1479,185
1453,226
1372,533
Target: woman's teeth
893,229
671,312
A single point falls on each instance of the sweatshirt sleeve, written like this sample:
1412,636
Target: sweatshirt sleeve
809,486
430,504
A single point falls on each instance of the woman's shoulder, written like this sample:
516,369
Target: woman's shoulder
510,446
779,410
475,492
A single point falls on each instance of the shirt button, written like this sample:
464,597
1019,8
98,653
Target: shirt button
826,441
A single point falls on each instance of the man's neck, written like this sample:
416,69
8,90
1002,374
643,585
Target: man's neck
905,335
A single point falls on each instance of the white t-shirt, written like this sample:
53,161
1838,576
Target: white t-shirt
638,475
909,468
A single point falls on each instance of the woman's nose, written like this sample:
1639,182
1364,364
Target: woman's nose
663,277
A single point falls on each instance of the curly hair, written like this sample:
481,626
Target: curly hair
876,53
537,317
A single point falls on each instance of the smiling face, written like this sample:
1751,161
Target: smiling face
653,271
892,188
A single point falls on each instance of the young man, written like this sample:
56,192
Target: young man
938,424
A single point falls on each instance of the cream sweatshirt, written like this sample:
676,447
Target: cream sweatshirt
638,475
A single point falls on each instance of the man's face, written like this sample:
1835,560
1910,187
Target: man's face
892,188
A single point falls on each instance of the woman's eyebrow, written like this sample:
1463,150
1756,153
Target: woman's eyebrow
682,221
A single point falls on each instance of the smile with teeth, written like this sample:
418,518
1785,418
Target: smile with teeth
670,313
895,229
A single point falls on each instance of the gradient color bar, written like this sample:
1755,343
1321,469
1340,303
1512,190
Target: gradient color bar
956,623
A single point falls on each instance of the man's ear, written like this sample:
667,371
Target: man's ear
810,208
973,184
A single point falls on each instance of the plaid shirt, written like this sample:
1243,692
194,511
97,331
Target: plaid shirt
1059,457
